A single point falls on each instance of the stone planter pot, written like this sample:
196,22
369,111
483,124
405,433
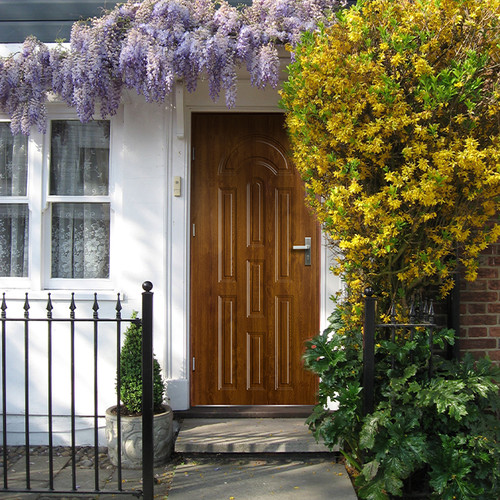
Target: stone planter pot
132,438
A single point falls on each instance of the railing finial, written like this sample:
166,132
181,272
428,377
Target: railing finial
4,306
26,306
95,306
118,306
49,306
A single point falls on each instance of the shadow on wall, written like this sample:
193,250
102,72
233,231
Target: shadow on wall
73,378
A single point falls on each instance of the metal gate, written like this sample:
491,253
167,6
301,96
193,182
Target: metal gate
421,318
25,327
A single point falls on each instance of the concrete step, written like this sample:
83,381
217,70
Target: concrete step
246,435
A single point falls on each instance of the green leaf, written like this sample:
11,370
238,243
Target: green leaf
373,490
370,469
370,429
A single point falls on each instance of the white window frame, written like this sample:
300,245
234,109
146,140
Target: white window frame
22,281
39,209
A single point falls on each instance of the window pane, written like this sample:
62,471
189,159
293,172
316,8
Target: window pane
14,240
13,162
80,240
79,158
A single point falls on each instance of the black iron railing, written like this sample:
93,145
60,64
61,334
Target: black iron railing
423,318
27,327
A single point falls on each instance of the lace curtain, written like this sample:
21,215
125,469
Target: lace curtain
14,218
79,166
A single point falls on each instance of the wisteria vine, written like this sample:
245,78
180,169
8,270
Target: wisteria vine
146,45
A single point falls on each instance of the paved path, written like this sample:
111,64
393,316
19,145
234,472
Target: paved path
85,476
224,459
261,478
256,459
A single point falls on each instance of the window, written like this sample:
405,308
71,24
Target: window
55,207
79,199
14,214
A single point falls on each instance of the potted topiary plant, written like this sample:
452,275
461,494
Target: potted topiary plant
131,407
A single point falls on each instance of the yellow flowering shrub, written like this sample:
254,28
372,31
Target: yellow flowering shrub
394,118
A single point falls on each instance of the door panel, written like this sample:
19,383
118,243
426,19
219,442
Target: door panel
253,301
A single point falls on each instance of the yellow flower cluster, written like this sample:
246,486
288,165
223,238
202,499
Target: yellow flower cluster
394,117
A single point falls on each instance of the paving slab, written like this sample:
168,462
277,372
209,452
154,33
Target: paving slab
85,479
263,478
251,458
246,435
131,480
39,471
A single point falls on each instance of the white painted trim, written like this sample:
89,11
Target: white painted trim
179,233
62,112
178,254
179,109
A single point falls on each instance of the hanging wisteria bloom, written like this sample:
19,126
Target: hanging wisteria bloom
147,45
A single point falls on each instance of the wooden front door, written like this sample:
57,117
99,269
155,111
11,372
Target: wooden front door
253,299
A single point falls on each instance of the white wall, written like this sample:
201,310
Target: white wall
150,241
138,172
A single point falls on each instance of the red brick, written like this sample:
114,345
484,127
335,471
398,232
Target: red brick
495,331
476,344
479,319
477,354
494,355
494,308
477,285
487,272
494,284
476,308
479,297
477,332
489,250
492,249
494,261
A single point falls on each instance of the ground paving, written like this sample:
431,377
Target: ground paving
280,460
85,475
261,477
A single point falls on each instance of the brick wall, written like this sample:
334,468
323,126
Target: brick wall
480,308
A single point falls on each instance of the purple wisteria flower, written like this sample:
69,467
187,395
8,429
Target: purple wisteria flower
146,46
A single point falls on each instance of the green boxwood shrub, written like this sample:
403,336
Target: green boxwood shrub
131,372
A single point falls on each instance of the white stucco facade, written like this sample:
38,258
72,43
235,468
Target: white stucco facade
150,240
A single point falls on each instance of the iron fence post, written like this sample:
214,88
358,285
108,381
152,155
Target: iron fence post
454,317
369,353
147,391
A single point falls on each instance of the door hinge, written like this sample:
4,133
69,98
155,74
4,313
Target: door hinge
194,363
194,230
192,154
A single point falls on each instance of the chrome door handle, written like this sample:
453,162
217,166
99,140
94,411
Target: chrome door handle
307,247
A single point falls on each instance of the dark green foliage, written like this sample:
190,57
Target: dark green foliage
441,433
131,376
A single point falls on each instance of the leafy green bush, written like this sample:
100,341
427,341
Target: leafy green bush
131,375
440,431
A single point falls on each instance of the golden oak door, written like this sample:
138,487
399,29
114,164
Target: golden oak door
254,299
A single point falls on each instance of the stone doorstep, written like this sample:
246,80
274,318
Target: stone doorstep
246,435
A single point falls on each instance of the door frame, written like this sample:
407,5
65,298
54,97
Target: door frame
178,241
